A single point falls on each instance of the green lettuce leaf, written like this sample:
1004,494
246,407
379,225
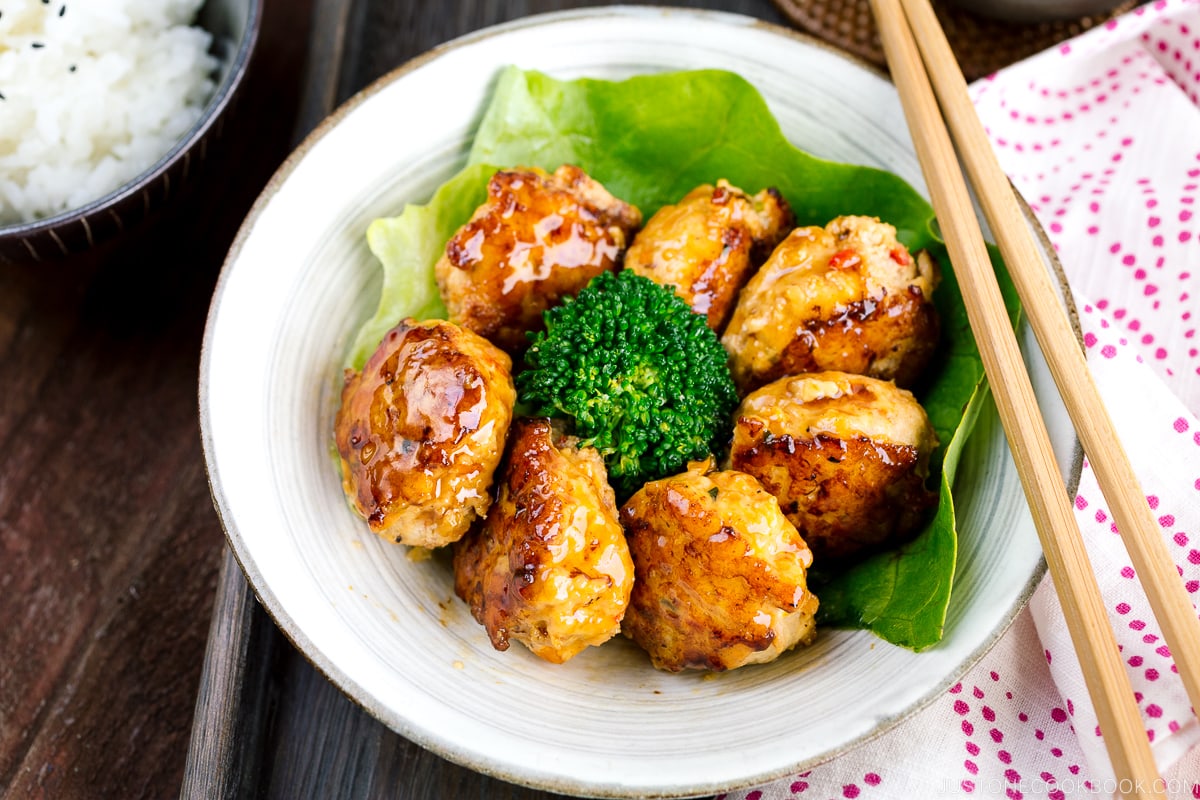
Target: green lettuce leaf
649,140
408,246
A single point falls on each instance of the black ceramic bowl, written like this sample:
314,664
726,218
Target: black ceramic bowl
234,26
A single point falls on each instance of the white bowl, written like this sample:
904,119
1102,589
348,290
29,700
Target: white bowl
389,630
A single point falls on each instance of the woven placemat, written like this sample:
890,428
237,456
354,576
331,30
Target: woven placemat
982,45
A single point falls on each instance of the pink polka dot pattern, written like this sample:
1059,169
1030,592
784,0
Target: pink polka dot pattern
1011,733
1084,146
817,785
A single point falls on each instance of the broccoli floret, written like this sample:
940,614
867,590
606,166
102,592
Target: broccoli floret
642,378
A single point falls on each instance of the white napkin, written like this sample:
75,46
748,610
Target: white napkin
1102,136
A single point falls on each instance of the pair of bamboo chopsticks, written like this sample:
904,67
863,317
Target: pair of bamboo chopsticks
918,54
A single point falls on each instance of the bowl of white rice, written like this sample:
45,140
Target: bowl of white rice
107,108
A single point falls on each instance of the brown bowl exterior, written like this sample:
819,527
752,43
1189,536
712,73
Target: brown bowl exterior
234,25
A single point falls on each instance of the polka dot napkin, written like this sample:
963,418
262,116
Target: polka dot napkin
1102,137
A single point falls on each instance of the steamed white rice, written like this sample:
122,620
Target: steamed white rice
94,92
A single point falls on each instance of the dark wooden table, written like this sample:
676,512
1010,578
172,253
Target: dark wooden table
109,545
112,560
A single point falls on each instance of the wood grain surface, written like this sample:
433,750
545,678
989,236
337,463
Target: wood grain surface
109,546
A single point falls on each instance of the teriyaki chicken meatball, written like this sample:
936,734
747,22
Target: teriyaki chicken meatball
421,430
721,575
846,297
708,244
538,238
550,567
847,456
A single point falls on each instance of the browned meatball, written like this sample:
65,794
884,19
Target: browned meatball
421,429
708,244
538,238
847,456
550,566
845,297
720,572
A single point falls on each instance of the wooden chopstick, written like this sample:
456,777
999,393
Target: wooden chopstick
1062,543
1139,531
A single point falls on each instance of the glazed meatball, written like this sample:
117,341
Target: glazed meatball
421,430
720,572
550,566
847,456
537,239
708,244
846,297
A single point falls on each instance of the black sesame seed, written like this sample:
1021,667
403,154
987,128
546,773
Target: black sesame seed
2,97
37,45
62,10
71,68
